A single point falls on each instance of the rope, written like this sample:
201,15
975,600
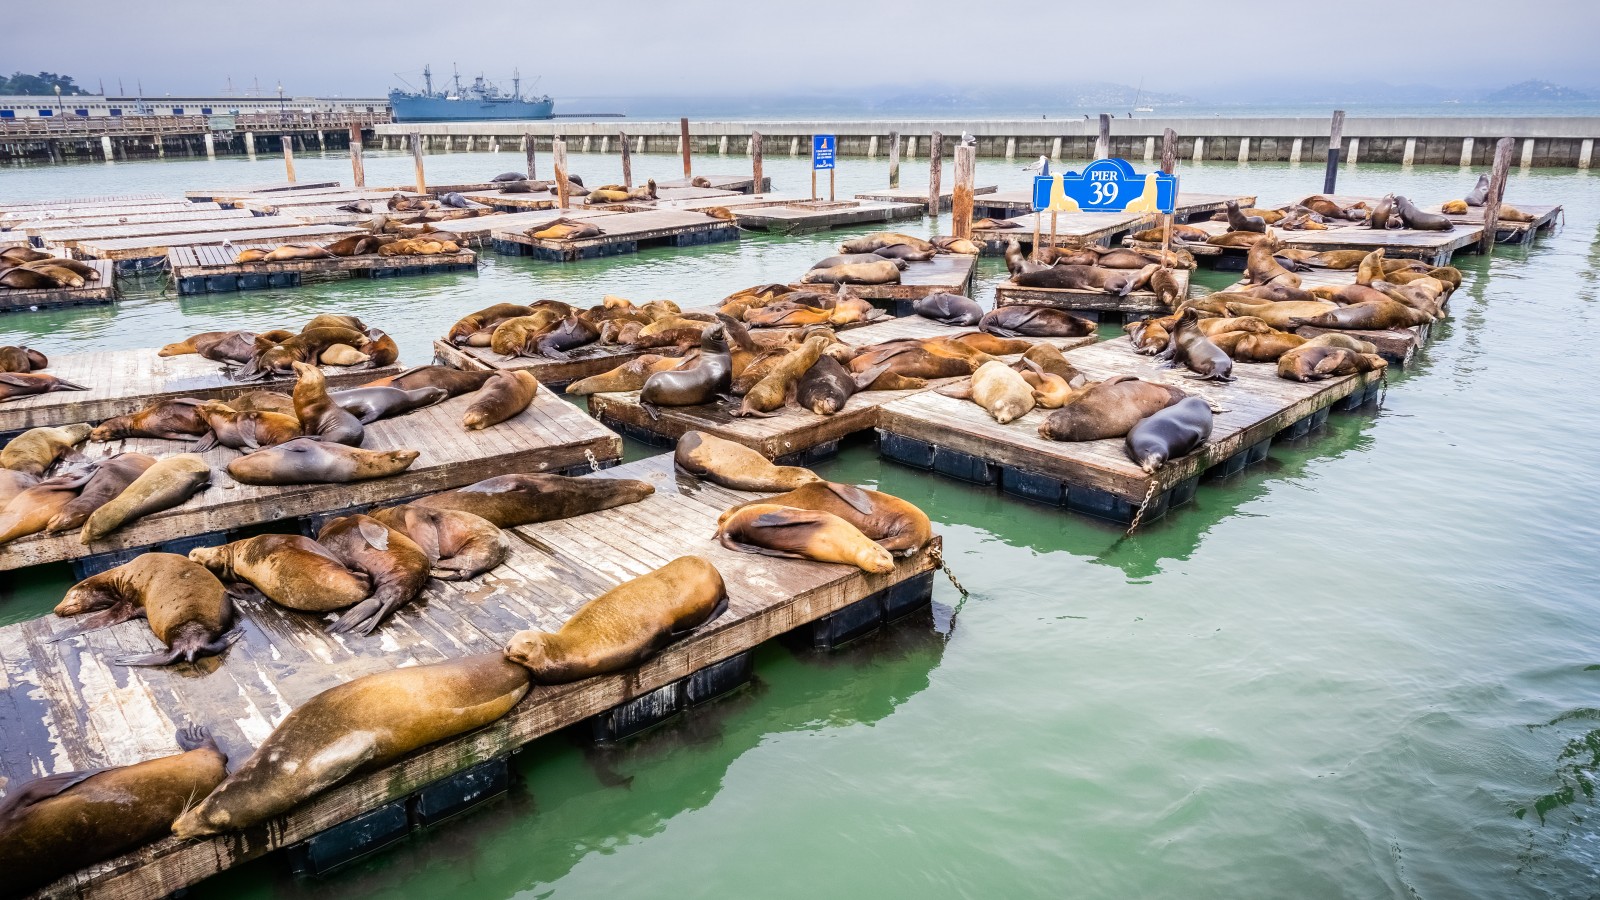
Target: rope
594,464
937,556
1149,494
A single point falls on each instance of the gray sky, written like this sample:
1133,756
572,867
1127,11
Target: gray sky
699,47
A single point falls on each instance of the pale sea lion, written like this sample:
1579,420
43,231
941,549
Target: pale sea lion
111,477
504,395
735,466
319,416
1108,409
185,605
364,724
897,525
61,823
289,569
1347,341
459,545
164,485
342,355
397,566
1169,433
997,388
34,451
512,500
882,272
811,534
626,625
309,461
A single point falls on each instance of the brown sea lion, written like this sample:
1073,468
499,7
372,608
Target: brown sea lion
1337,259
111,477
1034,321
264,401
334,320
992,344
244,431
166,484
454,381
1214,326
626,625
306,347
1244,346
310,461
1189,347
519,336
28,384
565,229
905,253
630,376
16,256
22,360
1049,358
1383,214
459,545
1314,362
484,320
1166,288
997,388
1277,293
1236,239
852,259
773,390
1366,317
291,570
811,534
512,500
1108,409
1238,221
958,246
59,824
1280,315
569,333
826,387
897,525
184,603
1168,433
1262,267
882,272
370,404
397,566
1417,220
735,466
34,451
217,346
318,415
33,508
505,395
364,724
871,242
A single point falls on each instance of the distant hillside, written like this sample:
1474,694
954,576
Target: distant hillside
1536,92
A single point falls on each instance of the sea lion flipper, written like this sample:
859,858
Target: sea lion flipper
362,614
207,442
377,536
116,615
961,390
192,737
150,659
856,497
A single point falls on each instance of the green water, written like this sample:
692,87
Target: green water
1364,668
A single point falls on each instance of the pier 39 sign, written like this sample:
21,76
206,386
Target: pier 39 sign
1106,185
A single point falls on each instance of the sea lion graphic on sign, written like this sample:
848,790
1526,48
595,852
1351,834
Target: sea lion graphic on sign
1106,185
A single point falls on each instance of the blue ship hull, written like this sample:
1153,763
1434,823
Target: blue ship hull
437,109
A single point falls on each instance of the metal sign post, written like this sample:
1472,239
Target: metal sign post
822,152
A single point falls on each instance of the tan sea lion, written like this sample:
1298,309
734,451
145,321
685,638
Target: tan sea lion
735,466
1262,266
1366,317
1347,341
173,420
512,500
1235,239
289,569
22,360
883,272
245,431
364,724
1336,259
342,355
309,461
897,525
454,381
58,824
505,395
997,388
264,401
774,530
34,451
958,246
520,336
28,384
871,242
992,344
111,477
1049,358
397,566
459,545
288,252
34,507
217,346
1245,346
1371,267
565,230
278,358
630,376
484,320
184,603
318,415
626,625
1279,315
164,485
773,390
1108,409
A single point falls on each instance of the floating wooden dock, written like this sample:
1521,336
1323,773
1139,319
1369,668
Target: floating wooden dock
738,184
626,232
99,199
1433,247
1071,229
1544,219
11,217
101,291
1397,345
919,195
549,436
195,212
211,269
946,273
1096,305
479,230
1190,206
67,708
817,215
496,198
229,220
124,381
731,202
228,195
134,254
958,438
794,436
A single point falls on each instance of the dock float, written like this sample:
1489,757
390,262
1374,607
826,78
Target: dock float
226,195
1433,247
10,217
957,438
1071,229
102,291
120,382
817,215
795,436
1190,206
919,195
738,184
946,273
1096,305
231,220
99,199
626,232
478,231
193,212
211,269
551,435
1544,219
146,253
498,199
82,713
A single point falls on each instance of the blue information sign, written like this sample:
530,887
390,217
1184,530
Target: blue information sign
1106,185
822,146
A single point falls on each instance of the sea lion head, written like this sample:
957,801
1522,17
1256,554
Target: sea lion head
218,559
531,649
90,595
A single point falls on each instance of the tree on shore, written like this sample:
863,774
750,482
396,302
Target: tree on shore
40,85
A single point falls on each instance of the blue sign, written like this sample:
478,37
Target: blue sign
822,147
1106,185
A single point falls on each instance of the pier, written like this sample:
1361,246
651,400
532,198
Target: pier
136,253
1092,304
211,269
627,232
102,290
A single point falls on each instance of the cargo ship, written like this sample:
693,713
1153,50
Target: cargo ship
482,100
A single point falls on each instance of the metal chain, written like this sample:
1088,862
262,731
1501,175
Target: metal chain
1144,504
1383,388
937,556
594,464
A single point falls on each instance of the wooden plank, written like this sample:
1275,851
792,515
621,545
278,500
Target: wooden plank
228,220
187,265
193,211
540,439
807,215
739,184
919,195
14,217
624,232
226,194
157,247
478,230
948,273
1092,304
102,291
285,659
101,199
1071,229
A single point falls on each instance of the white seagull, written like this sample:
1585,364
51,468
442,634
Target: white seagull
1042,166
968,139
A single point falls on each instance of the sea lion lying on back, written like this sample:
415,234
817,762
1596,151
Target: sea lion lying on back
1034,321
802,534
184,603
897,525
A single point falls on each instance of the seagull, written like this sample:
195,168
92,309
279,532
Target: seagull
967,139
1042,167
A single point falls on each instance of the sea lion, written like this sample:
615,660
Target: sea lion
630,376
505,395
1418,220
984,342
564,229
735,466
166,484
1214,326
1336,259
1049,358
484,320
897,525
1034,321
1383,214
369,404
773,530
882,272
34,507
1277,293
1279,315
958,246
342,355
288,252
310,461
14,483
1017,264
695,384
1189,347
22,279
1169,433
28,384
318,415
111,477
570,332
16,256
264,401
185,605
22,360
772,391
1245,346
1454,208
948,309
1165,286
626,625
1263,267
244,431
334,320
997,388
827,386
1314,362
459,545
364,724
291,570
58,275
1480,192
397,566
217,346
278,358
512,500
905,253
454,381
37,449
871,242
58,824
1242,240
509,176
1340,339
1238,221
1108,409
1366,317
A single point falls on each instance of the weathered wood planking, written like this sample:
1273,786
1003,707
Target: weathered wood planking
102,291
1544,217
1071,229
124,381
624,233
795,434
11,218
65,708
287,203
515,201
1256,406
229,220
211,269
550,436
226,195
1005,204
196,211
14,240
815,215
330,214
100,199
1398,345
477,230
155,248
946,273
1435,247
731,202
1091,304
738,184
919,195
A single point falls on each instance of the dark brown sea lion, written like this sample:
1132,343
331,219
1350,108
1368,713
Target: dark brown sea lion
22,279
291,570
626,625
1383,215
370,404
1418,220
166,484
459,545
871,242
630,376
34,451
1169,433
897,525
217,346
905,253
58,824
319,416
22,359
364,724
484,320
802,534
827,386
1480,192
948,309
1263,267
1314,362
695,384
1108,409
111,477
1034,321
570,333
512,500
306,347
1366,317
1165,286
503,396
184,603
1245,346
1189,347
174,420
1238,221
735,466
309,461
1120,282
454,381
28,384
244,431
882,272
397,566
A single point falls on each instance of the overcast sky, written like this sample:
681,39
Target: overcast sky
699,47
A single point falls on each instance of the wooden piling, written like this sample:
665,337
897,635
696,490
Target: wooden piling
894,159
757,179
416,160
558,153
961,194
935,170
627,160
683,141
1497,190
358,166
288,156
1169,163
1335,134
530,153
1102,144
